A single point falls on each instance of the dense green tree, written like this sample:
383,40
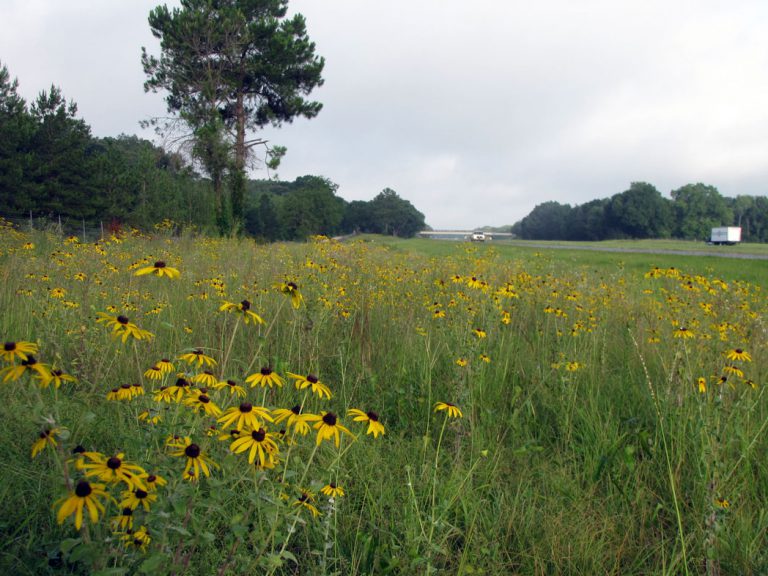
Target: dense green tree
587,221
697,209
547,221
310,208
358,217
16,129
639,212
61,162
392,215
230,67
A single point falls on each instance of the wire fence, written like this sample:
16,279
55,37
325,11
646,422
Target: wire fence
64,226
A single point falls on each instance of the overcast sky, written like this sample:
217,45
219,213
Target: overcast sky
473,111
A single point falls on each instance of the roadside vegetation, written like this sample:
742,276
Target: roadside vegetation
189,405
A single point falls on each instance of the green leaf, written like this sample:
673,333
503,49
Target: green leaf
152,564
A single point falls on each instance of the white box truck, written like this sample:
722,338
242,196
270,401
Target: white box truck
729,235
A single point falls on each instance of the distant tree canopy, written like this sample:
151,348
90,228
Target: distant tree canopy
309,206
642,212
51,166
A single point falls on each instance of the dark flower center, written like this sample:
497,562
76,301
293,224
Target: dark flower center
312,378
137,385
372,416
30,361
203,398
159,264
266,371
259,435
151,478
180,382
332,485
329,418
739,351
292,286
246,407
57,372
83,489
198,351
245,305
114,463
122,319
127,512
10,346
296,409
78,449
231,382
303,498
141,494
125,386
192,451
45,433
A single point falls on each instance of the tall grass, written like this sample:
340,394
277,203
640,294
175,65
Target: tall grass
586,445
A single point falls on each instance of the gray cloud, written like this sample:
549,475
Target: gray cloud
475,112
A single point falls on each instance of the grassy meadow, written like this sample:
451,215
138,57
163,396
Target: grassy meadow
378,407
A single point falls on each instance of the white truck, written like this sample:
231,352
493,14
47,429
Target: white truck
729,235
478,236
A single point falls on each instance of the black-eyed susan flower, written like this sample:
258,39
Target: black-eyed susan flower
684,333
197,356
701,384
202,403
721,502
154,481
47,437
57,378
256,442
307,502
295,417
84,496
16,371
265,377
291,289
123,521
154,373
738,354
165,366
328,427
150,416
113,469
374,426
134,498
312,382
479,332
461,362
178,389
197,461
232,387
244,308
165,394
332,490
11,351
123,328
452,410
246,415
138,539
137,389
159,269
205,378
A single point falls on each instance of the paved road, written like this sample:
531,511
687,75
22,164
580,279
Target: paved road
646,251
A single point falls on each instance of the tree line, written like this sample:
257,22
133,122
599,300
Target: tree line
642,212
52,166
